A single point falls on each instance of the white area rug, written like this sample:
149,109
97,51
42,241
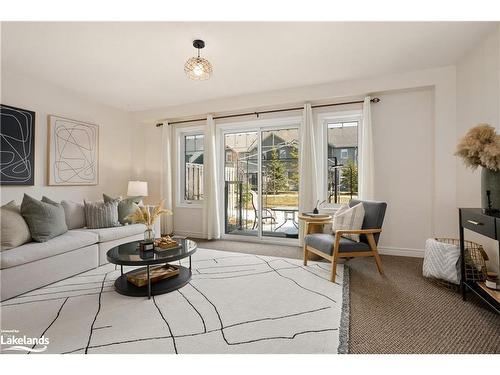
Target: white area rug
235,303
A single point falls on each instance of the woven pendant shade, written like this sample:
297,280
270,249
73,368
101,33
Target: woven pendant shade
198,68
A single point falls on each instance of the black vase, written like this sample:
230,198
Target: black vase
490,181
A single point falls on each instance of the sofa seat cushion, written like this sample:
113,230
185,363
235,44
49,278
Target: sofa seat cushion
115,233
34,251
324,242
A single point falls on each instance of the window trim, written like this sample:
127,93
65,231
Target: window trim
181,133
323,120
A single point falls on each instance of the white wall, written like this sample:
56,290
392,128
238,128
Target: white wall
478,100
417,125
412,119
115,135
403,135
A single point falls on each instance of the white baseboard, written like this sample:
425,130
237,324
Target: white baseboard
398,251
189,234
401,251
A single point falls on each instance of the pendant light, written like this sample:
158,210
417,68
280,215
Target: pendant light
198,68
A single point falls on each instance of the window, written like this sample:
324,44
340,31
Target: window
342,161
193,167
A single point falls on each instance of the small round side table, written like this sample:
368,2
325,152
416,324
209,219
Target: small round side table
315,225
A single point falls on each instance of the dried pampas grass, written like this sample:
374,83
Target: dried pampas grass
480,147
143,216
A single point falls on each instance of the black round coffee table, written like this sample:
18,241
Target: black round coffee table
129,254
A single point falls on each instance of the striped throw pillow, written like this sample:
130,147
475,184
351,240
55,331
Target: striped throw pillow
101,215
349,218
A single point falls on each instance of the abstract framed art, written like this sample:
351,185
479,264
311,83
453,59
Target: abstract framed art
73,152
17,148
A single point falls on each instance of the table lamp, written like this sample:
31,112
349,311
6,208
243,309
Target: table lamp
137,189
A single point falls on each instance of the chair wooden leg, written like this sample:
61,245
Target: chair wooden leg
378,262
373,247
306,255
334,270
335,255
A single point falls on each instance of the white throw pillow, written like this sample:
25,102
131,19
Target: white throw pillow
75,214
349,218
441,261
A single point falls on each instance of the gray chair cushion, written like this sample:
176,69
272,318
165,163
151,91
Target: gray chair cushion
33,251
324,242
374,216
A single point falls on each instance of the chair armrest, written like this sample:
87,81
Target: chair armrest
357,231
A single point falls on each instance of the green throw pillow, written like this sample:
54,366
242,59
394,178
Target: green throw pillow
45,218
15,231
126,207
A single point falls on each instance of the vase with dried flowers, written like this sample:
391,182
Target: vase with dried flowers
481,147
145,215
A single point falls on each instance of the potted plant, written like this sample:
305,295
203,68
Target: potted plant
481,147
144,215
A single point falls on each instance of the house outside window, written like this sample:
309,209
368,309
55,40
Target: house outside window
342,160
193,167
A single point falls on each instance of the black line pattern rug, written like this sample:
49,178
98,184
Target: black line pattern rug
235,303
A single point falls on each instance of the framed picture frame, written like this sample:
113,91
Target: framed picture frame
17,138
73,152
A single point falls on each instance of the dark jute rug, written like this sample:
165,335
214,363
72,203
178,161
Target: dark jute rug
401,312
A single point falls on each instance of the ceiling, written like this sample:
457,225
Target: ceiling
139,65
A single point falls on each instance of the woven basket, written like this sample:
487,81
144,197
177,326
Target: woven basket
475,261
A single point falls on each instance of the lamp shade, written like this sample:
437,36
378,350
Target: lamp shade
137,189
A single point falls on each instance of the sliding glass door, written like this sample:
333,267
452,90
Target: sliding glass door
241,165
280,183
261,183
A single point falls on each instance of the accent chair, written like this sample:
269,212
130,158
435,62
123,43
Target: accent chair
332,247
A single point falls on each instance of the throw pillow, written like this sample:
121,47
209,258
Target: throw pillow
441,261
349,218
101,214
126,207
75,214
45,218
15,231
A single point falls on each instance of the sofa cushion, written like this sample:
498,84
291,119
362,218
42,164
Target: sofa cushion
324,242
15,231
101,214
126,207
115,233
33,251
45,218
75,214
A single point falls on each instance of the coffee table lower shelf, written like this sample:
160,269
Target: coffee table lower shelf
123,286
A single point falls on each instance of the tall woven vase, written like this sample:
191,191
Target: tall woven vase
490,180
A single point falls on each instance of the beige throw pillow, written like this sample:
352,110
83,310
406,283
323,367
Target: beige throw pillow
349,218
15,231
75,214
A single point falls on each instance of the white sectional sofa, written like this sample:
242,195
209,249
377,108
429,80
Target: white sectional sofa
36,264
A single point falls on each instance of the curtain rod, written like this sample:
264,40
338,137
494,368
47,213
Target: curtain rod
374,100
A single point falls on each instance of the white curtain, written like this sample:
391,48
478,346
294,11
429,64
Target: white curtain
167,194
366,170
308,170
210,183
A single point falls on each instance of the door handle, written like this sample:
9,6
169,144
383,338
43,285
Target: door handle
474,222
